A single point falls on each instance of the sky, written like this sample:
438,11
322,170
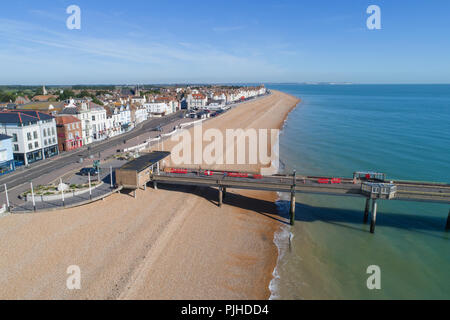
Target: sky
232,41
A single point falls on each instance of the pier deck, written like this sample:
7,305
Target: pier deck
407,191
404,190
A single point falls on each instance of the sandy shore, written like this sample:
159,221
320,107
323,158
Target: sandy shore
166,244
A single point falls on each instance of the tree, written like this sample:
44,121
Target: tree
39,91
67,94
83,94
7,97
96,101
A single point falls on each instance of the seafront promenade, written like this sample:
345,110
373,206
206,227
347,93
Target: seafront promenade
69,163
118,243
42,173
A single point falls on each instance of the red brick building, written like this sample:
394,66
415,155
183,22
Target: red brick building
69,133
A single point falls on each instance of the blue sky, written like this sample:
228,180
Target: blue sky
224,41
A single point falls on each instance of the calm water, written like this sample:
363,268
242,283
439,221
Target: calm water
401,130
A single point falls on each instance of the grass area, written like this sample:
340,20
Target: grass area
50,190
127,156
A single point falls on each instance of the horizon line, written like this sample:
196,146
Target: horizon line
225,83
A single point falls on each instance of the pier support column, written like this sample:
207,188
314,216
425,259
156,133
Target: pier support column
294,183
366,211
292,211
220,196
224,193
447,227
135,194
374,216
155,185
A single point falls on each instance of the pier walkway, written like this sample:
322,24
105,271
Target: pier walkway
346,187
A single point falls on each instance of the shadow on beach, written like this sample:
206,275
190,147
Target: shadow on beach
266,208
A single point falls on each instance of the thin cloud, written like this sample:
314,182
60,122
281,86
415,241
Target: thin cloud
127,56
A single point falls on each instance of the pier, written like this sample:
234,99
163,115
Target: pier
345,187
370,185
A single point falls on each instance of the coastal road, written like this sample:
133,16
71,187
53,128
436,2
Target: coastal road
47,166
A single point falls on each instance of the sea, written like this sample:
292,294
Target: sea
400,130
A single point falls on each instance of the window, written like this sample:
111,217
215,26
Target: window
16,147
45,134
29,136
14,137
36,144
35,135
48,131
30,146
93,118
54,140
45,142
53,131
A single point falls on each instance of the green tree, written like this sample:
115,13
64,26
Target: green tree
96,101
83,94
67,94
7,96
38,91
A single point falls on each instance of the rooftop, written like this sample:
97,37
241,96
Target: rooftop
145,161
61,120
22,116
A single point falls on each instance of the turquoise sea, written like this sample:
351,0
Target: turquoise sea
401,130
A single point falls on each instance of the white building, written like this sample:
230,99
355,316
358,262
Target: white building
140,114
118,120
139,100
98,121
93,120
113,127
196,101
33,134
157,109
173,105
125,117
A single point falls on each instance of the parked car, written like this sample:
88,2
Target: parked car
87,171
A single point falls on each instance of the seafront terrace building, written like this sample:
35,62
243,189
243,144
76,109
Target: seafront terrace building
196,101
33,135
125,117
93,120
118,120
69,133
172,104
6,155
139,114
157,109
